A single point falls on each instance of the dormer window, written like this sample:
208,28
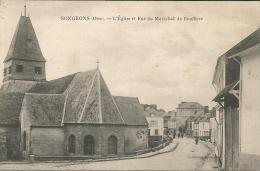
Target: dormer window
38,70
19,68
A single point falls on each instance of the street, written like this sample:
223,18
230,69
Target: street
187,156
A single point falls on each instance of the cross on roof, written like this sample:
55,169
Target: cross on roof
97,63
25,10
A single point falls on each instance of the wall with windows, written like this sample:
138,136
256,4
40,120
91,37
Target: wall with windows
204,129
24,70
156,126
100,134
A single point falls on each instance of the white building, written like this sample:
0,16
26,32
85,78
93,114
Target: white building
237,82
201,126
155,125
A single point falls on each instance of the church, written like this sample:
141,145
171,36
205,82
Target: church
74,116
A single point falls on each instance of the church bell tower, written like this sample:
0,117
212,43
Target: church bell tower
24,61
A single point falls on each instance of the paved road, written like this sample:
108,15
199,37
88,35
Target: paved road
187,156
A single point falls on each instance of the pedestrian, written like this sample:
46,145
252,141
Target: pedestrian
178,135
196,140
182,135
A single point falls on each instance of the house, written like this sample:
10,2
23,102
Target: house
169,122
75,115
201,126
155,121
236,80
185,110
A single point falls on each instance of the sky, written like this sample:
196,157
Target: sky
160,62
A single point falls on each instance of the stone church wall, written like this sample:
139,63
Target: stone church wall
136,138
100,133
47,141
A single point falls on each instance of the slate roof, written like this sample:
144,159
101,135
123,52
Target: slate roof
44,110
131,110
17,86
24,45
90,101
57,86
246,43
78,98
10,107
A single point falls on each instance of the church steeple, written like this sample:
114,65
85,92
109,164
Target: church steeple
24,60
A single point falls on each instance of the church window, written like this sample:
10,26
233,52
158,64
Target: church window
19,68
72,144
38,70
5,72
24,140
9,70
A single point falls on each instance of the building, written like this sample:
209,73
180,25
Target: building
75,115
199,126
169,122
155,121
236,80
185,110
190,126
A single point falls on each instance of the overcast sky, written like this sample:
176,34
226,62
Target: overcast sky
161,63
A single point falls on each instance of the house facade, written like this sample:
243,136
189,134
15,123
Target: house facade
75,115
236,80
200,126
169,122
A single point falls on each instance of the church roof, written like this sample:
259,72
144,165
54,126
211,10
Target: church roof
57,86
24,45
10,107
131,110
79,98
44,110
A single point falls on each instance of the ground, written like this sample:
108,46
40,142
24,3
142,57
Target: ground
187,156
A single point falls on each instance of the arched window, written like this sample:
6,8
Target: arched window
89,145
112,145
72,144
24,140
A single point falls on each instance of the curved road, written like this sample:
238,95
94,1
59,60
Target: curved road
187,156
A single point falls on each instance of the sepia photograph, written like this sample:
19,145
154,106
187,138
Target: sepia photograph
129,85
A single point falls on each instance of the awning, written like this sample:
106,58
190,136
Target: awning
229,89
